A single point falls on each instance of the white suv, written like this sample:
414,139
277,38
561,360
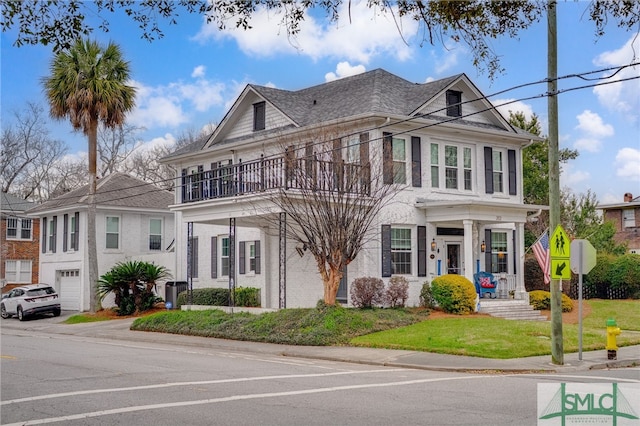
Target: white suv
29,300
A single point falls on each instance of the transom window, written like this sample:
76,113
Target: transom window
19,228
399,160
400,251
113,232
155,234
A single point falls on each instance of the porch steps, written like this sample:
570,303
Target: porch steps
510,309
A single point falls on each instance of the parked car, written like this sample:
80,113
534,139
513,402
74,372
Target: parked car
28,300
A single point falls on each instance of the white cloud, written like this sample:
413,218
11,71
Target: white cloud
624,96
198,71
593,130
360,34
571,178
344,69
627,164
167,140
504,106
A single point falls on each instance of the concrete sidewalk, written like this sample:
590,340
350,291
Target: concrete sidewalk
119,330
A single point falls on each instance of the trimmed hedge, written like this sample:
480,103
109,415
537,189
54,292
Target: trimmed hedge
541,300
244,296
454,293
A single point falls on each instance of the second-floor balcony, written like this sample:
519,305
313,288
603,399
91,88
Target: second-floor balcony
275,173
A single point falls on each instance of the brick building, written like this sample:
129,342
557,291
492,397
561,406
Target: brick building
626,218
19,237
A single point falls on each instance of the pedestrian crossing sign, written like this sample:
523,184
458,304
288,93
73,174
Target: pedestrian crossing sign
559,246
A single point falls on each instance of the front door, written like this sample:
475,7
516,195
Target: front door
453,258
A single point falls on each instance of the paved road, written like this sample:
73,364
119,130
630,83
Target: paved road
85,376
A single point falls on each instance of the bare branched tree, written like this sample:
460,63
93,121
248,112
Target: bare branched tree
28,152
333,193
115,145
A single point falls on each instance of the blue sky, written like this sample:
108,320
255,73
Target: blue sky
189,79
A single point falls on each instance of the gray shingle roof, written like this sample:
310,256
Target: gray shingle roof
116,190
376,91
12,204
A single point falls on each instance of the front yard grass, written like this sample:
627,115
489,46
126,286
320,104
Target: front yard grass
410,329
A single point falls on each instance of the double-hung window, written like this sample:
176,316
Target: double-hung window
499,253
18,271
451,166
113,232
399,150
435,168
498,171
74,239
629,218
252,256
400,251
53,225
224,256
457,173
155,234
18,228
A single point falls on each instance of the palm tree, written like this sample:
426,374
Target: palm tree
87,84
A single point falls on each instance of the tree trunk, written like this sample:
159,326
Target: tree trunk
331,284
92,247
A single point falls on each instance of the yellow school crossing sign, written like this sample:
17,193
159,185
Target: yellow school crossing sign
560,253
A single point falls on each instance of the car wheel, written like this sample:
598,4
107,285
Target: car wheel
56,312
20,314
3,312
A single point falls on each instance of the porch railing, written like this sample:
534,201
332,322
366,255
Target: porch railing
266,174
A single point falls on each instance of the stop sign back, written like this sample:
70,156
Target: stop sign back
583,256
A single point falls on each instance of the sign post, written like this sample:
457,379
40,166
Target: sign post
583,259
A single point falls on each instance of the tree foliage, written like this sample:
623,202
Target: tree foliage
475,22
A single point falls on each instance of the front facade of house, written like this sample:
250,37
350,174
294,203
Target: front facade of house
133,222
456,164
626,219
18,243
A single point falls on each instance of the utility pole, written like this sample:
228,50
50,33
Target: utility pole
557,350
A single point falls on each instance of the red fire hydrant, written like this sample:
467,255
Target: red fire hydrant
612,331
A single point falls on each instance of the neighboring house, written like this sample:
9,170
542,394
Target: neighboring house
18,243
459,163
626,219
133,222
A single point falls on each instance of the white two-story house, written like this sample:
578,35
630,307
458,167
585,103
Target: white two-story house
133,222
457,164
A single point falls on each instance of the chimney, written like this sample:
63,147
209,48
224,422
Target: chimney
628,197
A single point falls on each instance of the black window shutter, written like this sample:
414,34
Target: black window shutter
44,234
65,231
54,233
416,164
511,157
422,251
241,257
386,250
214,257
77,231
257,243
365,176
487,251
488,170
184,185
387,157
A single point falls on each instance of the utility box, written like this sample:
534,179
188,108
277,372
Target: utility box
171,291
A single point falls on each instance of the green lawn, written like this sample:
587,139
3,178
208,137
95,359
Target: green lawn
490,337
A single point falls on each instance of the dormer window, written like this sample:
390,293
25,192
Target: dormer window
259,110
454,103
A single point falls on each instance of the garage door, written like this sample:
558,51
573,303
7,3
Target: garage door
69,290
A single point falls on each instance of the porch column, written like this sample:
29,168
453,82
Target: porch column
468,249
232,262
282,263
520,292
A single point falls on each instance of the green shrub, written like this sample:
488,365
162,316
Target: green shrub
426,296
541,300
205,296
247,296
367,292
625,275
454,294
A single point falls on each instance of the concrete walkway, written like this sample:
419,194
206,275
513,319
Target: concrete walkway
119,330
